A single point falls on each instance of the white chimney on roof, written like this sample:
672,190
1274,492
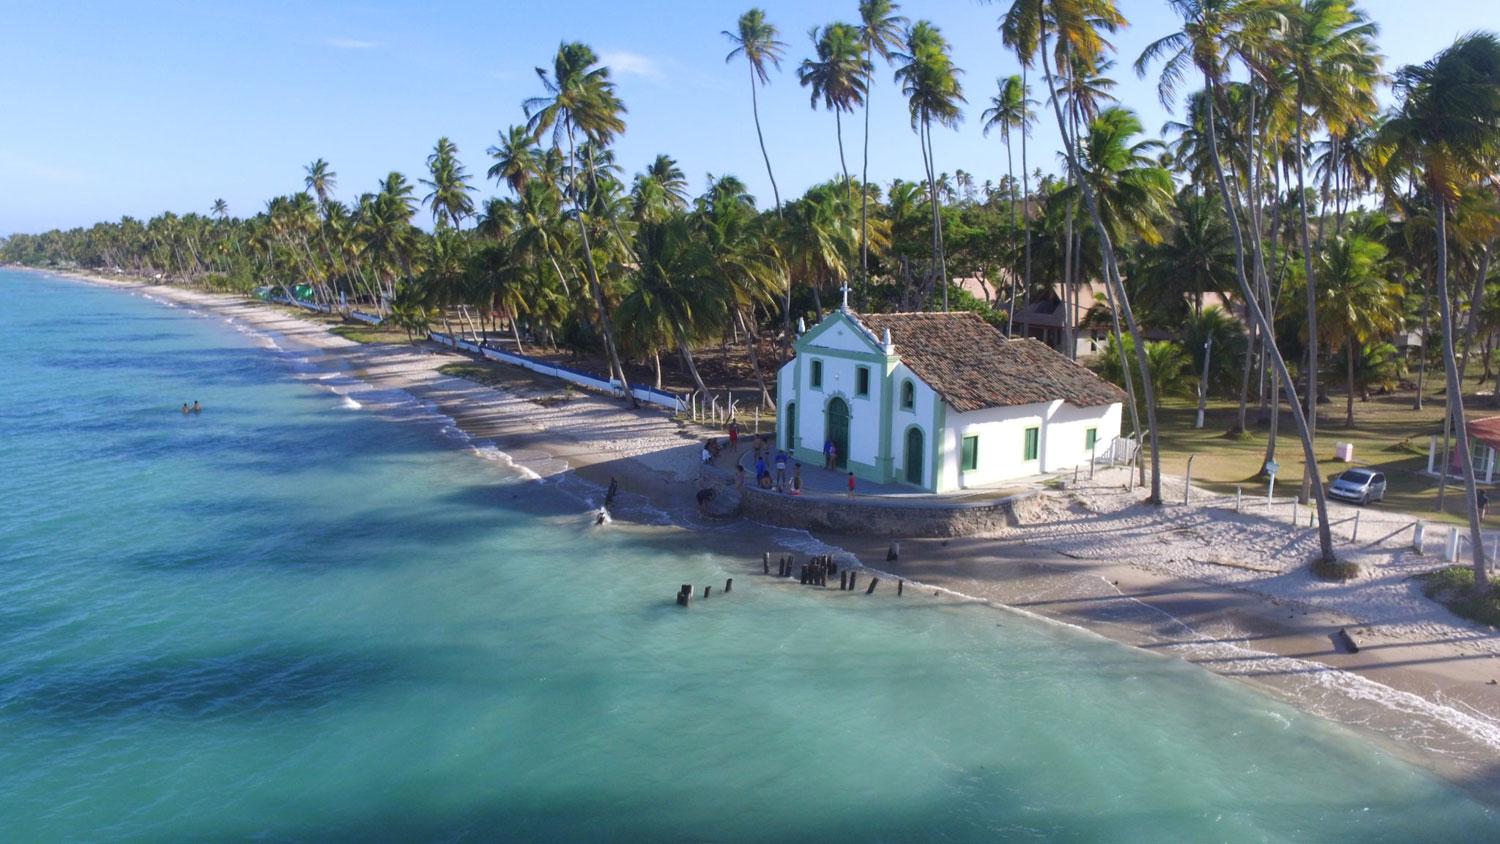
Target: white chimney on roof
890,347
801,325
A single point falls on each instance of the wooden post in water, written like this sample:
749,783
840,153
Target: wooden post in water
900,587
728,585
843,581
853,576
706,590
685,595
874,581
765,562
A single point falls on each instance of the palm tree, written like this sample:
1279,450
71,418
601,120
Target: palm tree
929,80
1446,131
1080,27
516,159
1010,110
838,76
665,172
220,209
449,196
1195,257
581,99
880,30
1359,305
1330,50
755,38
1212,28
1131,189
673,286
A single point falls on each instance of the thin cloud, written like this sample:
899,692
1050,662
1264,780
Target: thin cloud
632,64
350,44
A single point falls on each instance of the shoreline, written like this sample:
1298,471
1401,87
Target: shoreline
1409,693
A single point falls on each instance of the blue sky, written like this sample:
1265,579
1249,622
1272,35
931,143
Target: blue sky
134,107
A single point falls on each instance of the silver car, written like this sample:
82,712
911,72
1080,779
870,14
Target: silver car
1360,485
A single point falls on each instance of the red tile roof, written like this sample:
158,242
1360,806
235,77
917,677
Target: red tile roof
973,366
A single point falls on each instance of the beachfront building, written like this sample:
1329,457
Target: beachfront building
940,401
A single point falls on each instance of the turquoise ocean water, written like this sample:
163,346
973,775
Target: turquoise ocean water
291,618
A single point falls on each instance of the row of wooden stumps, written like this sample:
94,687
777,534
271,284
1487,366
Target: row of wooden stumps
817,571
685,594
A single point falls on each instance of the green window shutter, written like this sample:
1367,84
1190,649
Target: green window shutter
970,457
1033,437
862,381
1090,437
817,374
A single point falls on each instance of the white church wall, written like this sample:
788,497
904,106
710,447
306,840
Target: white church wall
920,414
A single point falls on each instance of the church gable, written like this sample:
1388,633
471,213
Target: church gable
838,332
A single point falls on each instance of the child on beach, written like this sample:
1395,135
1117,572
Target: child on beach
781,470
797,479
851,484
734,435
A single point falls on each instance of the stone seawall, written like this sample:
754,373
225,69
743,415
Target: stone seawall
884,518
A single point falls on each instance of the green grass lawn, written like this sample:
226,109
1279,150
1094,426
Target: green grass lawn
1388,434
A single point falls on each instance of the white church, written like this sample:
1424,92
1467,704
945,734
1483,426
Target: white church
940,401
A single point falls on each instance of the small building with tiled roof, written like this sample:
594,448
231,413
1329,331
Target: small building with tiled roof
941,401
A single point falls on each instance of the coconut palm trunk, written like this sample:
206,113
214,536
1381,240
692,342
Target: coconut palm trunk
1312,300
1112,272
1025,219
1010,170
595,288
1325,534
1456,398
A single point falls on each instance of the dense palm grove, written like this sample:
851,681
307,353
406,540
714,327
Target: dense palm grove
1325,223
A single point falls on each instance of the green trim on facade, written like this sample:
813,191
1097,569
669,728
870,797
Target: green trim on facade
884,454
863,357
939,416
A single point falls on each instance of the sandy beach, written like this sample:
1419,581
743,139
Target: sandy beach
1230,591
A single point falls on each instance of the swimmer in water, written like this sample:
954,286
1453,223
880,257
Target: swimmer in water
197,408
185,409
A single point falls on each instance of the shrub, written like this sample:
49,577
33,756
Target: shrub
1454,588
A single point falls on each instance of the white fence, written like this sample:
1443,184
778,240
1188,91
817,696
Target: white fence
287,300
645,394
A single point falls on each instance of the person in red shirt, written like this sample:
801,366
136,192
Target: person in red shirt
734,435
851,484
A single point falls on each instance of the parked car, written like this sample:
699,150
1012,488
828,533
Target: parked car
1359,485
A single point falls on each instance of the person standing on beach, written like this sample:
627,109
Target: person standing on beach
734,435
796,479
780,470
851,484
828,453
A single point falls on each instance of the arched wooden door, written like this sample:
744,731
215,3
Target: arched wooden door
914,456
838,430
